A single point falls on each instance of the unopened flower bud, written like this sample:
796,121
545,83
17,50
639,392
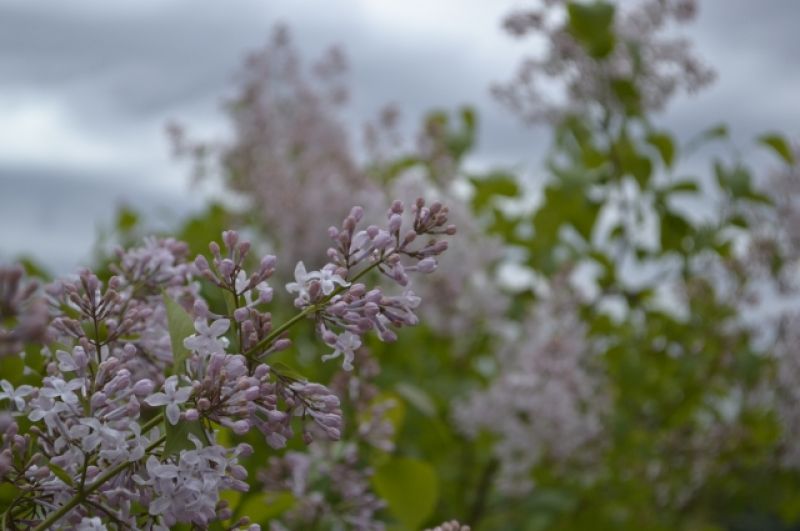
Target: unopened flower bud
394,223
230,238
357,213
226,267
240,314
201,263
240,427
143,387
427,265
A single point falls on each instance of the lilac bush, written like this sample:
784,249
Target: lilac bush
550,388
641,44
139,375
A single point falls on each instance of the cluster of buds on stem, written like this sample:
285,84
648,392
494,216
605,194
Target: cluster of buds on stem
344,309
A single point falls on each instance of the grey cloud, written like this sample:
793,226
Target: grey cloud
56,217
124,68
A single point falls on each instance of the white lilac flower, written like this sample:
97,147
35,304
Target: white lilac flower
243,286
346,345
188,490
17,396
71,362
299,286
93,433
65,391
328,279
171,397
208,339
47,409
91,524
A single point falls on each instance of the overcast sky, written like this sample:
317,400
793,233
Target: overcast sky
87,86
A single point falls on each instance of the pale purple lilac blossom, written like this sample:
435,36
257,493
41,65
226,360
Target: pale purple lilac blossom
646,50
105,385
546,400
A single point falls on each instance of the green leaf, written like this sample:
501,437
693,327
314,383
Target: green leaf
632,162
683,186
60,473
180,326
627,94
665,145
758,197
417,398
497,183
592,25
739,221
736,180
396,167
127,219
674,231
195,231
718,131
470,119
178,436
285,370
410,488
779,145
261,508
12,369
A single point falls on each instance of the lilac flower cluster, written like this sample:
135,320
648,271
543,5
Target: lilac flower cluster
344,309
128,402
20,305
551,398
337,466
660,62
339,469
